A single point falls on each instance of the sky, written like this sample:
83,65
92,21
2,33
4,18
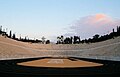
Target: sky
52,18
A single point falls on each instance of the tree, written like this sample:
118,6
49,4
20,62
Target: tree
60,40
14,37
118,30
25,39
20,38
96,38
10,35
67,40
0,29
76,40
48,42
43,40
71,40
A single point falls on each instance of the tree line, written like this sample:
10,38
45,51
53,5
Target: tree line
63,40
96,38
25,39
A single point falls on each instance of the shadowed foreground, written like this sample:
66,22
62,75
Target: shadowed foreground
10,68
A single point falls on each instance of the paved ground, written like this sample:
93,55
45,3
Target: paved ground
10,68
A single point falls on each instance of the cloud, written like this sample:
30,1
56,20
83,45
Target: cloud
93,24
